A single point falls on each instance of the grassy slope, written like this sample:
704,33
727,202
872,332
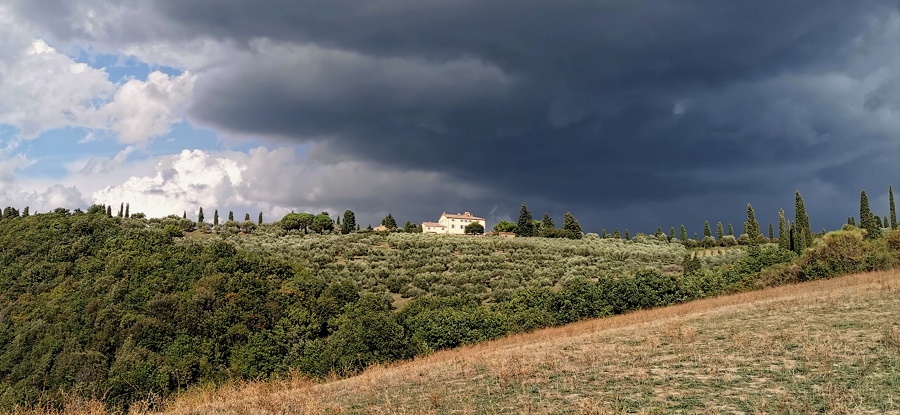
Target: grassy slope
831,346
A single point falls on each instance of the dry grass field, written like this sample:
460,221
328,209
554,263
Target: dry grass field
829,346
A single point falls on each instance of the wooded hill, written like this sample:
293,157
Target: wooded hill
117,309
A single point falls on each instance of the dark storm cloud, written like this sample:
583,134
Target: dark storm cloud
595,106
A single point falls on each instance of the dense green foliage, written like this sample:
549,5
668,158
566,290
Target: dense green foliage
892,207
802,229
867,220
122,309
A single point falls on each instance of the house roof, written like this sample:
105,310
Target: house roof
432,225
466,215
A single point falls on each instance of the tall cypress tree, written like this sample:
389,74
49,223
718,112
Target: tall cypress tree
893,212
547,223
25,212
523,226
603,233
200,216
706,231
216,217
627,235
784,240
121,209
850,220
230,215
259,221
184,215
731,229
753,226
867,219
349,222
570,225
795,244
683,233
127,210
720,231
672,234
801,224
616,234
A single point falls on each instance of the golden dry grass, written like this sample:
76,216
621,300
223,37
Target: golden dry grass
826,346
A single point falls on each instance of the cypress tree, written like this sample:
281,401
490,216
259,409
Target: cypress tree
389,222
603,233
627,235
753,226
127,210
616,234
683,233
696,238
706,231
885,223
25,212
184,215
259,220
730,229
878,221
246,217
853,220
109,211
801,224
216,217
866,219
850,220
230,216
784,240
720,231
121,209
200,216
524,227
771,232
893,212
795,244
349,222
671,234
571,225
547,223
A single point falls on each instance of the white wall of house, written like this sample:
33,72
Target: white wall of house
456,224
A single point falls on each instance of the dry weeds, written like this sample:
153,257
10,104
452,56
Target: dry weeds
826,346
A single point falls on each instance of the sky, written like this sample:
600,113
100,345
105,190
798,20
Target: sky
629,114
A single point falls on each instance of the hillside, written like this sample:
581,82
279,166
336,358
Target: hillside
824,346
122,310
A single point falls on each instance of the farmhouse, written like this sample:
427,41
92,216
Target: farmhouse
452,224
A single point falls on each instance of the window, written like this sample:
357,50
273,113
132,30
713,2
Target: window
453,226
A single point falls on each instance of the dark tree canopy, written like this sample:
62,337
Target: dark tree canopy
474,228
389,222
893,209
547,223
867,220
784,240
803,238
571,226
524,226
349,224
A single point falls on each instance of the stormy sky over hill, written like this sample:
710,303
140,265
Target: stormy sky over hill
630,114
